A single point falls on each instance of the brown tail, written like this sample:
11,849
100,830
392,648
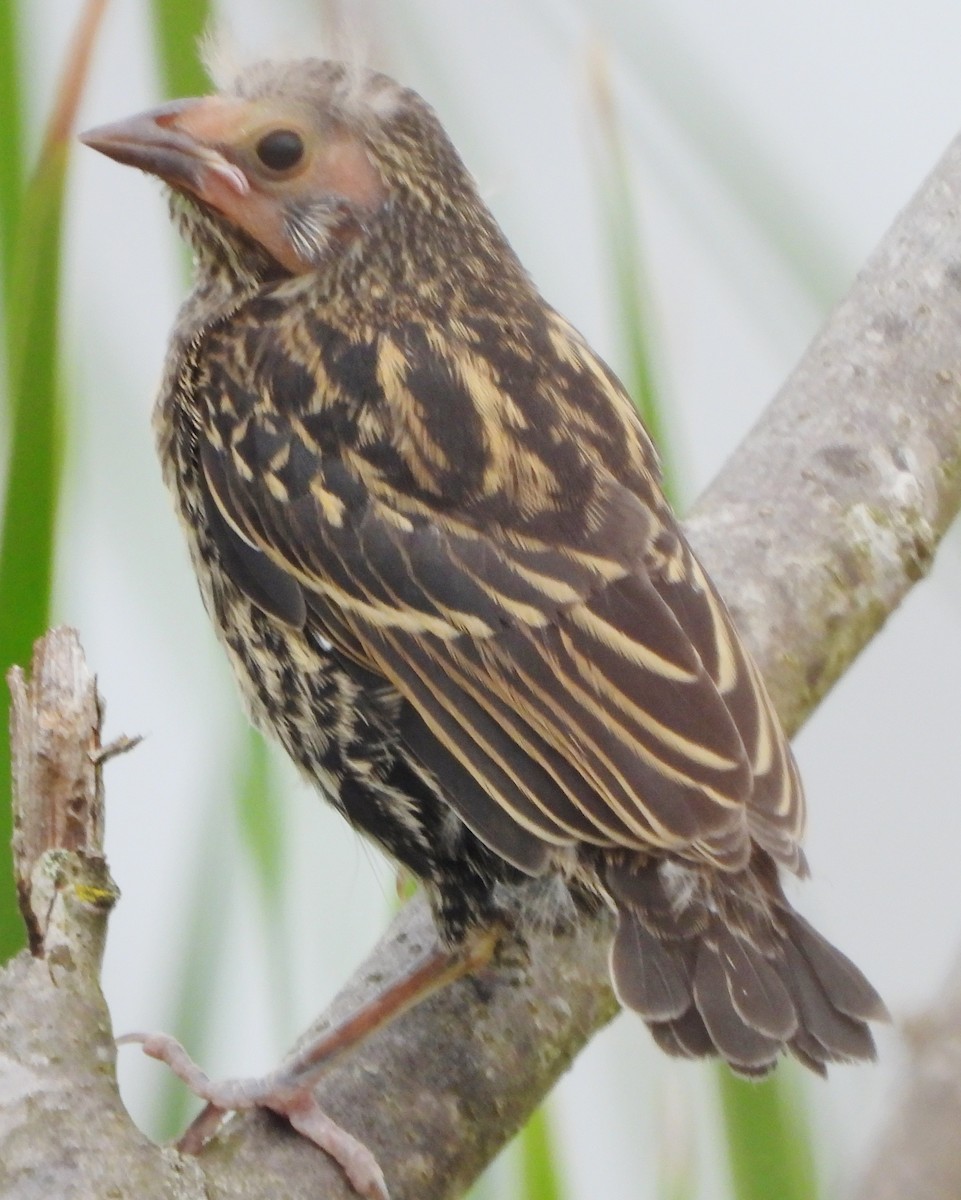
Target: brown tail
721,964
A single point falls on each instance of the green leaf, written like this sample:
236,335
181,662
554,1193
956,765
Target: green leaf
259,821
630,290
540,1177
214,879
726,141
179,27
11,132
768,1141
208,916
768,1138
33,481
33,478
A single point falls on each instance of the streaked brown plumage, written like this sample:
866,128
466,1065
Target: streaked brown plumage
429,528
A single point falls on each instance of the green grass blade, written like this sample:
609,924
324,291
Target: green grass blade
540,1177
259,821
666,70
208,914
11,133
768,1143
27,534
33,478
768,1140
631,293
178,27
726,140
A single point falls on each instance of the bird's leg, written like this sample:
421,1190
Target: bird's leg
437,968
287,1090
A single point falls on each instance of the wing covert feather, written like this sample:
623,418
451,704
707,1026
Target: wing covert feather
580,670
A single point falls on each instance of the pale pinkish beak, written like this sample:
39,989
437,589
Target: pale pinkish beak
154,142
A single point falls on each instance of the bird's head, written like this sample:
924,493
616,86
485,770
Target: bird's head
296,162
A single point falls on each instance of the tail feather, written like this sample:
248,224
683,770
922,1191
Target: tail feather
653,979
757,993
685,1037
843,983
720,964
741,1044
840,1038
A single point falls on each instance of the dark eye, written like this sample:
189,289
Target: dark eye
281,149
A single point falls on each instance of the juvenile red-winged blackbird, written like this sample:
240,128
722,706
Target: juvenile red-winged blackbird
429,529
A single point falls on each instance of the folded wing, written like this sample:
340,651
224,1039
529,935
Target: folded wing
568,681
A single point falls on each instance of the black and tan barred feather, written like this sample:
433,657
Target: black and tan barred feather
430,529
548,611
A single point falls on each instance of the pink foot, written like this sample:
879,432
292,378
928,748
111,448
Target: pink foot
278,1091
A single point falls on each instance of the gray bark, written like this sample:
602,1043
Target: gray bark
63,1130
918,1154
815,530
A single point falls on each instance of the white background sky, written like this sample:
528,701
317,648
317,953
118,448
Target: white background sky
845,107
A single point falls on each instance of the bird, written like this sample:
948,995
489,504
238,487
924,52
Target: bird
430,530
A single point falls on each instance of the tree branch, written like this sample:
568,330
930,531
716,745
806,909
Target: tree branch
814,531
918,1155
832,507
63,1129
